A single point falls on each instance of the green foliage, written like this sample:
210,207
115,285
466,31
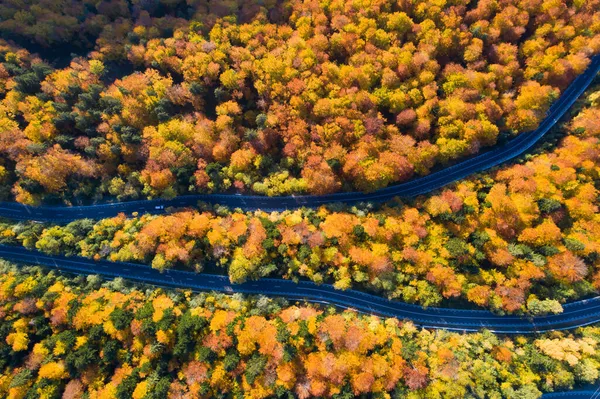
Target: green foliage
187,328
22,378
29,83
120,318
548,205
254,367
127,386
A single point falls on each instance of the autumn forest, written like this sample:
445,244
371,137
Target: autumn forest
121,100
274,98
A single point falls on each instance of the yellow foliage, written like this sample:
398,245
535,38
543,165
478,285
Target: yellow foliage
25,287
53,371
59,349
219,376
18,340
566,349
17,392
160,304
164,337
109,327
219,320
96,67
20,324
108,391
40,350
140,390
56,287
80,341
546,233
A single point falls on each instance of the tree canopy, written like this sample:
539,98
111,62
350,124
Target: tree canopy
277,97
77,338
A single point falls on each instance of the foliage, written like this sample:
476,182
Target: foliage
233,348
272,97
517,240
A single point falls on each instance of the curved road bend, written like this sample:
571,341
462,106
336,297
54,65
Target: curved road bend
421,185
575,314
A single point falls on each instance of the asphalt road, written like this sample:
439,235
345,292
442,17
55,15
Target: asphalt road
575,314
590,393
422,185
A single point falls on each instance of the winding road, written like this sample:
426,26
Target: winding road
421,185
576,314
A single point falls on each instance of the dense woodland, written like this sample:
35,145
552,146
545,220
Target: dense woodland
77,339
519,239
275,97
133,99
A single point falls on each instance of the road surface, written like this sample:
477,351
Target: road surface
579,394
421,185
575,314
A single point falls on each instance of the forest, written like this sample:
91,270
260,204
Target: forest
272,98
119,100
524,238
84,338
